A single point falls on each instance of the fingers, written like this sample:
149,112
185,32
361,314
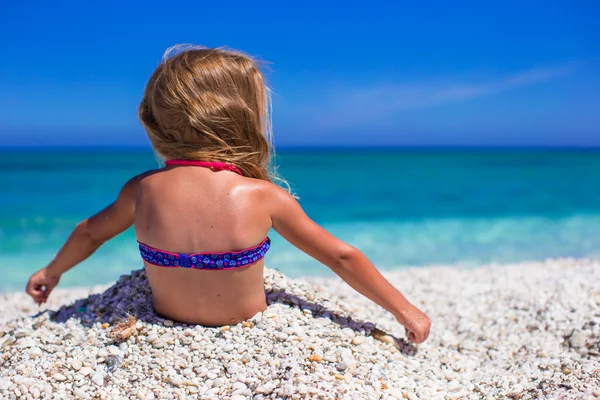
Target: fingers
412,337
416,336
36,292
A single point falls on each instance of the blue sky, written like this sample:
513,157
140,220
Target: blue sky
343,73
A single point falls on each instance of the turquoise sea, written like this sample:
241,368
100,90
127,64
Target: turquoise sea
400,207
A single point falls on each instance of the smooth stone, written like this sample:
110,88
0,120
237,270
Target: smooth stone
151,338
114,350
176,380
59,377
358,340
341,367
85,371
239,386
578,340
76,364
98,379
232,368
348,332
80,393
35,352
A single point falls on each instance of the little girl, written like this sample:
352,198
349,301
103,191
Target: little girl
202,220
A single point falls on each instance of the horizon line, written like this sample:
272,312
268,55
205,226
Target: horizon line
103,148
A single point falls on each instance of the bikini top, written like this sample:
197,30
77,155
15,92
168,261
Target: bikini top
211,261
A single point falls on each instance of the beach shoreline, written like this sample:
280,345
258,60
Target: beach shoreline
526,330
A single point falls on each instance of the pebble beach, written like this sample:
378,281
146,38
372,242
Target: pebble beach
525,331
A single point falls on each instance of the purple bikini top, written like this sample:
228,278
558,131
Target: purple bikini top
212,261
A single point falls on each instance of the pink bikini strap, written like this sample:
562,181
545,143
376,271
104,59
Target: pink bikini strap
214,165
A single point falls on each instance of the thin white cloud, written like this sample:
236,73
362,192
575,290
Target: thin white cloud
350,106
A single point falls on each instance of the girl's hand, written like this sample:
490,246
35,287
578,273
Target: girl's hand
416,323
41,284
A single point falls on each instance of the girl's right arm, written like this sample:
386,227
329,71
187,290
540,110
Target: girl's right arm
290,221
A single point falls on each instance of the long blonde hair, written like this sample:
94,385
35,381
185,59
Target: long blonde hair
210,104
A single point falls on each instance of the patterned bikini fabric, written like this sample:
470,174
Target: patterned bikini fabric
227,260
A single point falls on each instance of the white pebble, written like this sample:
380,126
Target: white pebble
176,380
114,350
80,393
358,340
76,364
232,368
35,392
35,352
98,379
349,333
59,377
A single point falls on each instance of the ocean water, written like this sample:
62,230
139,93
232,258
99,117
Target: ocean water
400,207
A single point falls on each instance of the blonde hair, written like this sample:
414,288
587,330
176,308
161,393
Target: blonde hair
210,104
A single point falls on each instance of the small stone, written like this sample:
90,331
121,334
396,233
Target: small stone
219,382
151,338
168,322
105,325
356,340
577,340
248,324
85,371
35,392
80,393
98,379
176,380
349,333
35,352
114,350
159,344
59,377
9,341
76,364
232,368
315,358
225,328
21,334
341,367
140,396
238,397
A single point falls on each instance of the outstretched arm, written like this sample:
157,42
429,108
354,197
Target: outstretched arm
290,221
85,239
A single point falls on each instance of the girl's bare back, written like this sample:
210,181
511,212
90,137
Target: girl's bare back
188,209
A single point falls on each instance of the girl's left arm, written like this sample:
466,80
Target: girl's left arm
85,239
